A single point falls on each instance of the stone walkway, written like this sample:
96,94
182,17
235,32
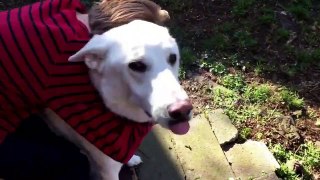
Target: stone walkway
198,155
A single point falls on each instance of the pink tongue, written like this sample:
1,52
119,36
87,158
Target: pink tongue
180,128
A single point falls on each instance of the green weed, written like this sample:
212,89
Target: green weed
244,39
234,82
282,34
188,58
301,9
216,67
234,105
224,98
307,58
286,173
179,33
316,55
226,27
268,17
241,7
259,68
245,133
308,156
292,99
258,94
218,41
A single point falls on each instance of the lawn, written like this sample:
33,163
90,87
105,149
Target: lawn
259,60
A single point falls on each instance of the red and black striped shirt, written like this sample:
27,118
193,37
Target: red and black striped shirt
35,44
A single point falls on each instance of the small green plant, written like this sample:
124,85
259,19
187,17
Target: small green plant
245,133
244,39
280,153
218,41
258,94
282,34
311,37
234,82
241,7
268,17
282,156
292,71
226,27
224,98
260,67
308,155
301,9
316,55
234,105
291,99
303,56
215,67
182,73
285,172
307,58
187,59
179,33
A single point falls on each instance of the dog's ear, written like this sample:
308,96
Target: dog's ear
93,53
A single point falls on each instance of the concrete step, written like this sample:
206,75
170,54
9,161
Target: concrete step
196,155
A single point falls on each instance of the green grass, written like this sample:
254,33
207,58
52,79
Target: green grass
308,156
188,58
300,9
218,41
291,99
241,7
245,133
231,102
244,39
267,17
234,82
258,94
217,68
226,27
282,35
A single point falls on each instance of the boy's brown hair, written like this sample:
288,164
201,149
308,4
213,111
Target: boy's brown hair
107,14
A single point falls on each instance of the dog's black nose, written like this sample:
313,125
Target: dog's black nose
180,110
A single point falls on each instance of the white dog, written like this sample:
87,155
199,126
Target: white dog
135,69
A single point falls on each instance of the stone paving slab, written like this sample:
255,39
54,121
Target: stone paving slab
200,153
222,127
196,155
160,161
252,160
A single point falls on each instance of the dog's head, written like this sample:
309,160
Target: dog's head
135,69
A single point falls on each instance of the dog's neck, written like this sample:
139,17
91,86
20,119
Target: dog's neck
115,100
84,18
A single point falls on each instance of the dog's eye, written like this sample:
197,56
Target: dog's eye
172,59
138,66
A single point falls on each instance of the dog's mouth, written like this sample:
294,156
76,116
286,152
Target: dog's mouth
179,128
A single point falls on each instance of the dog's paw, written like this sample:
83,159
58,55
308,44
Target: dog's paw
135,160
